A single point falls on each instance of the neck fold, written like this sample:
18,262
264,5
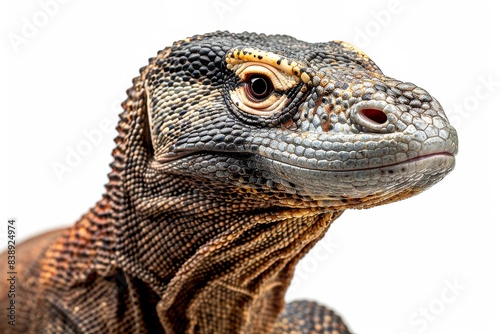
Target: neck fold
221,271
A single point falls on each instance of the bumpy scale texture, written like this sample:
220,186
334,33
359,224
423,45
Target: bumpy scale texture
234,154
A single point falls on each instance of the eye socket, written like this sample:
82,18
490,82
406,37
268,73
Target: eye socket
261,89
258,87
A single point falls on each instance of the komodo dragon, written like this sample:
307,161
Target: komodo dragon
234,154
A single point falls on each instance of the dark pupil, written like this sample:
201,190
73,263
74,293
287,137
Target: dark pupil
260,87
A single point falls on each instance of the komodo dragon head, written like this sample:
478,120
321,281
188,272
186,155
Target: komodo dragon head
236,151
289,123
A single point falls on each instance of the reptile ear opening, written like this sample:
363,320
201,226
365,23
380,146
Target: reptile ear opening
146,124
136,112
146,134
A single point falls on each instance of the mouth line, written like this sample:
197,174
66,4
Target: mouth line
183,154
412,160
352,170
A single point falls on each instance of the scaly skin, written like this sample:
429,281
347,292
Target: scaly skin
235,153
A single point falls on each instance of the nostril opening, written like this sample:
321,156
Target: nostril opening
374,115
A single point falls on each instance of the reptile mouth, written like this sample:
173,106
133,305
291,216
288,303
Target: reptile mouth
417,159
409,176
448,161
447,157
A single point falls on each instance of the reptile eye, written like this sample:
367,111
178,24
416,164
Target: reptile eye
262,88
259,87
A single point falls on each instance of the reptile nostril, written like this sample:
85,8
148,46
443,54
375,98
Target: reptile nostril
374,115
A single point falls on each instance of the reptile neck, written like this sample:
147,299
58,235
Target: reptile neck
236,282
216,267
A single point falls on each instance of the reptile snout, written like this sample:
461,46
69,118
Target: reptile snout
413,118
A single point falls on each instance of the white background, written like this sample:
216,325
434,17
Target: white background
387,270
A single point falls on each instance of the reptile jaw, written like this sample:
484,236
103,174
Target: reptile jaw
448,156
306,187
361,188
